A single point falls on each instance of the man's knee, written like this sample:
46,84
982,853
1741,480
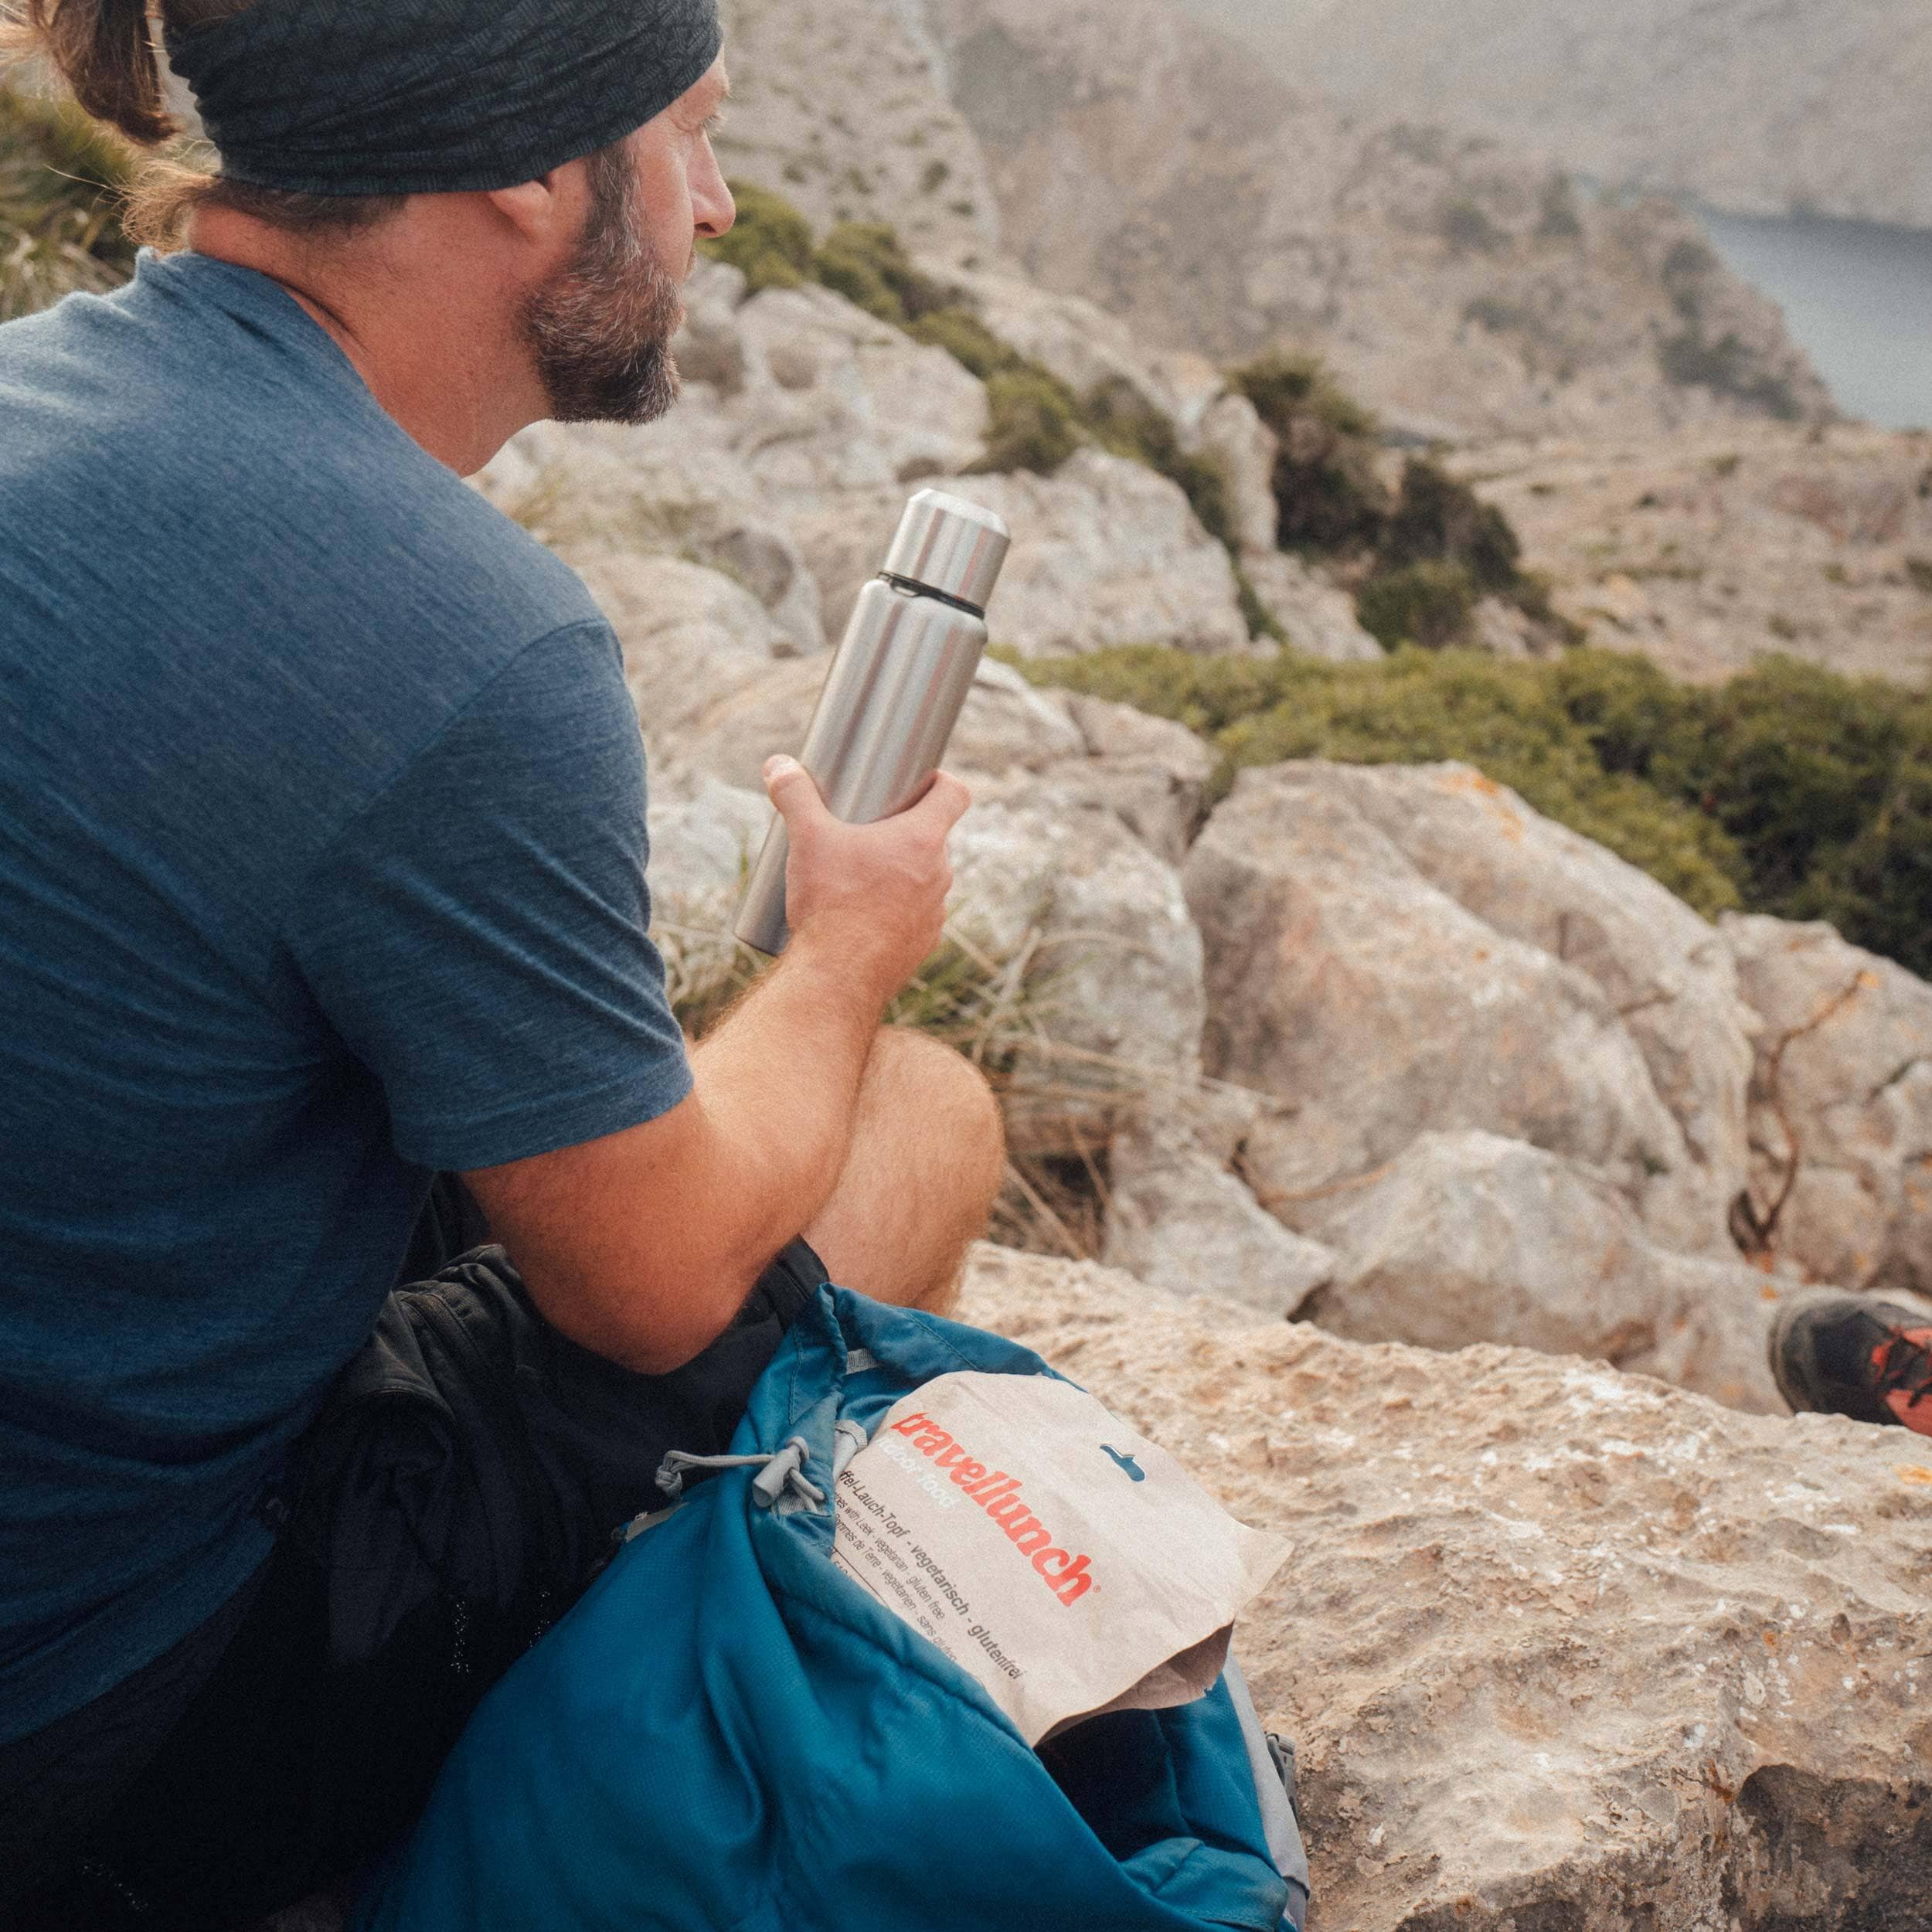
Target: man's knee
931,1087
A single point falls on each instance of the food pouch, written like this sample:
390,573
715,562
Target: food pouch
1065,1563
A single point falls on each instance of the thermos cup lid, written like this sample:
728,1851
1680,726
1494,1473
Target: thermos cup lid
946,544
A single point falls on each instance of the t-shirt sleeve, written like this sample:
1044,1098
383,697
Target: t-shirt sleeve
478,936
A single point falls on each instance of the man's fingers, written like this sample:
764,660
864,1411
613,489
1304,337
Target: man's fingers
943,806
789,788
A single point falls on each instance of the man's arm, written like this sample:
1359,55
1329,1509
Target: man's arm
643,1245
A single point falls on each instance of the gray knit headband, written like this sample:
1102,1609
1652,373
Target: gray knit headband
429,96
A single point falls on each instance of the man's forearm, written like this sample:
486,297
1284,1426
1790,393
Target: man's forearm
779,1084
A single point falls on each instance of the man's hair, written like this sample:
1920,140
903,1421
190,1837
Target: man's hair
104,50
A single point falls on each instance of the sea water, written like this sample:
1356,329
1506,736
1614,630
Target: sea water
1857,297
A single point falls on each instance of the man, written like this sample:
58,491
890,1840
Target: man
322,849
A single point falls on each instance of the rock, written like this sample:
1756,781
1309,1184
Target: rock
1105,552
1503,630
676,488
1177,1219
1668,972
1083,345
705,837
1560,1647
1465,1238
1005,725
1112,962
840,105
1342,982
836,401
691,637
1232,433
1318,616
1844,1083
1154,774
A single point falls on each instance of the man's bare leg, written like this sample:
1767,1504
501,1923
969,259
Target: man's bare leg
927,1155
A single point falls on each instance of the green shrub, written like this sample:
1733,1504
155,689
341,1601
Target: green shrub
60,176
1726,367
1034,423
864,262
1330,497
770,242
968,341
1430,604
1466,226
1437,518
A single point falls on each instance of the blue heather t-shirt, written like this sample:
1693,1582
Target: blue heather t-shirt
322,867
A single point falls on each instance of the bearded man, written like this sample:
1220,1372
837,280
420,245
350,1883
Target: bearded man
321,877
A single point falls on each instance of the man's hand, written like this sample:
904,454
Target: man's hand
872,896
642,1246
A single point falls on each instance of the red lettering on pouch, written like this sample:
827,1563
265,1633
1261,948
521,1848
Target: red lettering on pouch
1067,1577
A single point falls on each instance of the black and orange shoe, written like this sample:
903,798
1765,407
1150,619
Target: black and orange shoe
1852,1355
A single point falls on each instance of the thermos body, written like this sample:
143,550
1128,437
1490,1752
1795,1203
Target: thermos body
897,684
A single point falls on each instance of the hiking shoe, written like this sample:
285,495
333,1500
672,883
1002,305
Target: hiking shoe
1851,1355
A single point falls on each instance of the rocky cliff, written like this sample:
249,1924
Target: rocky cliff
1752,106
1159,170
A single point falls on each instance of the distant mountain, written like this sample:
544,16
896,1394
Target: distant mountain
1760,106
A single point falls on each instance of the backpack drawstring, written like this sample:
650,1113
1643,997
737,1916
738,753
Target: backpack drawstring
781,1484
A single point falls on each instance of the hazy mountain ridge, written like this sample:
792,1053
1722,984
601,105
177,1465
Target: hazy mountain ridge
1457,283
1760,106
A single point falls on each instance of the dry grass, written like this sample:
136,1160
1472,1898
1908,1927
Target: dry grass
1060,1101
61,175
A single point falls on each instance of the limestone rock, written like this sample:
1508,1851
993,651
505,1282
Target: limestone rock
1152,773
1235,437
1668,972
1105,552
837,401
1345,983
1111,960
1844,1085
1319,617
691,636
1084,346
1466,1238
841,106
1560,1647
1177,1219
705,836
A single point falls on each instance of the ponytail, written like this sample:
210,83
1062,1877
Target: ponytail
103,51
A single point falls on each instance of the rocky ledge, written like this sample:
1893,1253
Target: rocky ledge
1563,1650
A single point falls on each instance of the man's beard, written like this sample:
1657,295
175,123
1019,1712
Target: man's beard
600,329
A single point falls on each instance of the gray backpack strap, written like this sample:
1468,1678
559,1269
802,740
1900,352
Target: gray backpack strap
1274,1789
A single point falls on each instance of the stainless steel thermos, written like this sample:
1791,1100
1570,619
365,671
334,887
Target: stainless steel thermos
896,685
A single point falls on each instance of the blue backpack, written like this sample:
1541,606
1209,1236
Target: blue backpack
728,1734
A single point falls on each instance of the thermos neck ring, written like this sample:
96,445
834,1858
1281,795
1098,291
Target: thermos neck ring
926,590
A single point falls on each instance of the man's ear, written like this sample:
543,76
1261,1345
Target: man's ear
544,211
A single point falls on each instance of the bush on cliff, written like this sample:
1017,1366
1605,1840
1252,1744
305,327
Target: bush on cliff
1789,790
770,242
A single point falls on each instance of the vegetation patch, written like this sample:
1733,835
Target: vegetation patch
1726,367
1791,790
61,177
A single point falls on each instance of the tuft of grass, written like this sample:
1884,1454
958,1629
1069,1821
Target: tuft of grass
62,176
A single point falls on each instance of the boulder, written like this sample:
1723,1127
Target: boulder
1841,1106
676,488
1560,1648
705,837
1235,437
1668,973
1111,962
1177,1218
1466,1238
1318,616
1154,774
1345,983
1105,552
692,636
835,400
1083,345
